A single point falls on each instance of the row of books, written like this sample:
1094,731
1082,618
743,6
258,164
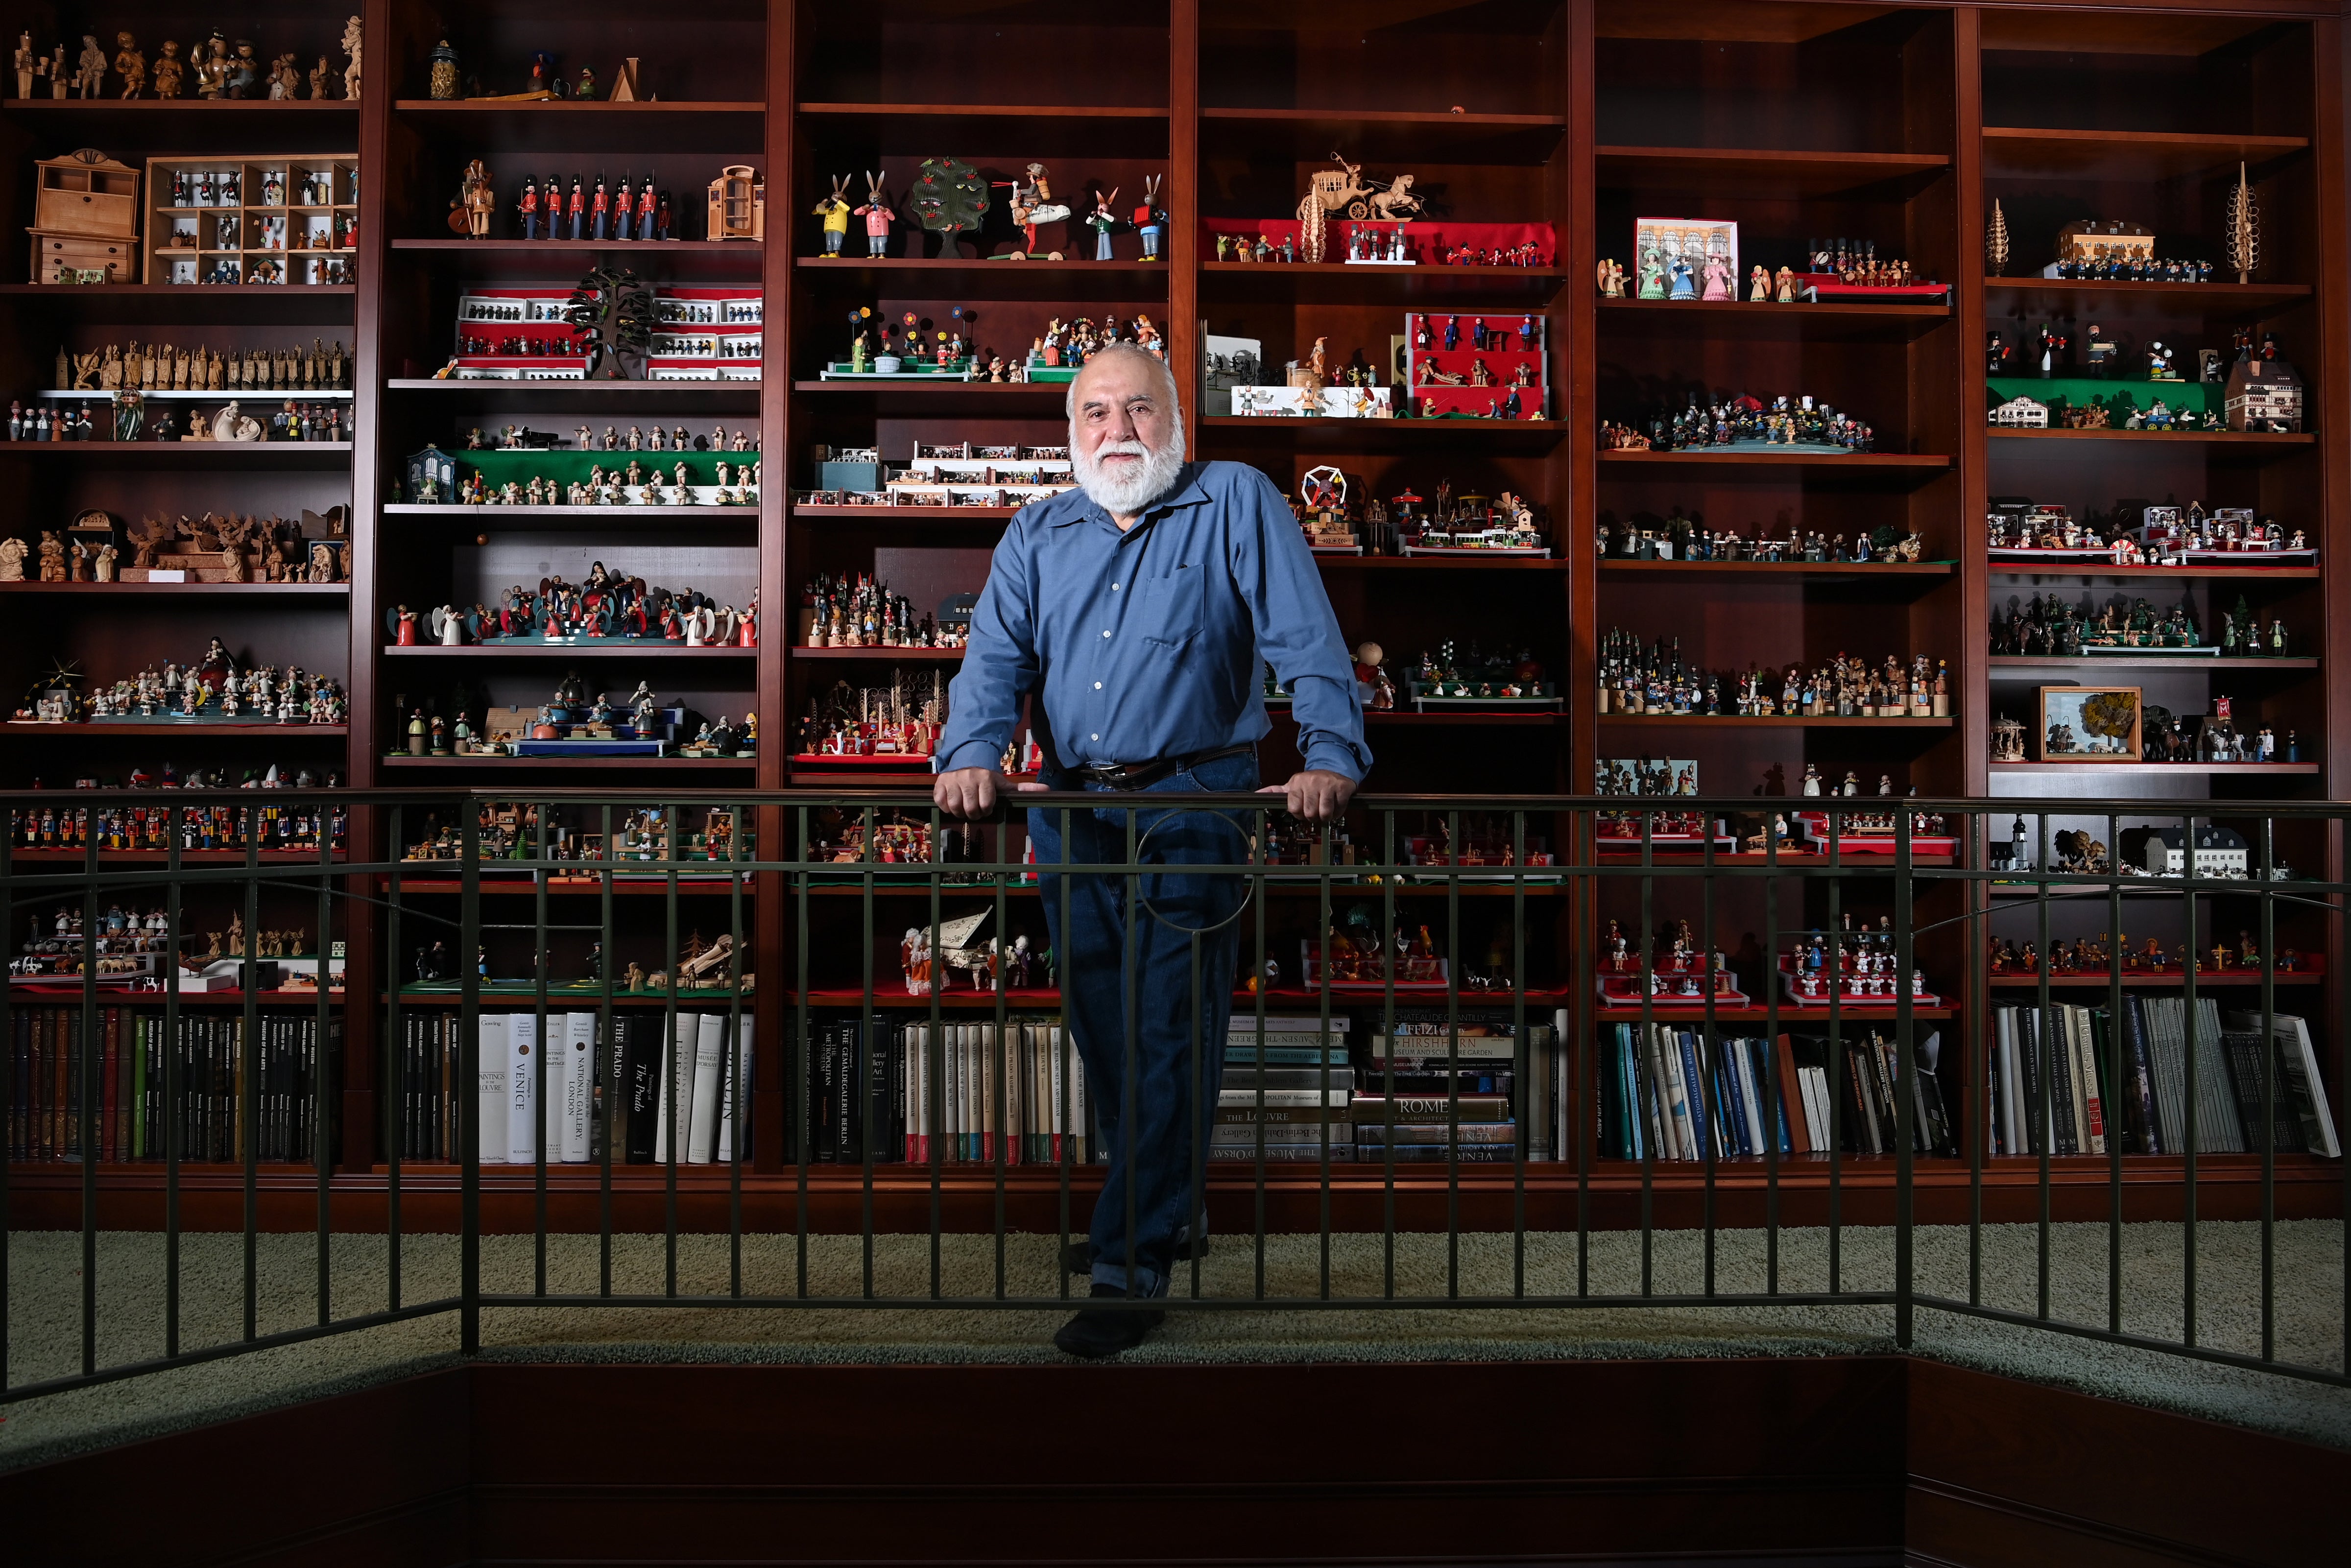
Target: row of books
2054,1090
228,1098
1433,1087
955,1093
515,1071
1670,1093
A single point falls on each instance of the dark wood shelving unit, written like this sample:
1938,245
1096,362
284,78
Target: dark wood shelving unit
1797,119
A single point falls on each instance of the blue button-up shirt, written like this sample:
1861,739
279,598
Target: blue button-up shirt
1150,643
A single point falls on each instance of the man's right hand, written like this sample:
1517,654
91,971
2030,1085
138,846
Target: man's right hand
968,793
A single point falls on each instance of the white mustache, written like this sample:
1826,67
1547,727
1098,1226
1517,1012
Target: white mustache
1122,448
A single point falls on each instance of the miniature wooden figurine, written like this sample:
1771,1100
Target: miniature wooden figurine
352,36
949,199
131,65
1034,203
1101,220
877,215
1612,280
469,211
27,64
1151,218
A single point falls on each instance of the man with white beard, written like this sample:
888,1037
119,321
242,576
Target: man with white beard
1138,612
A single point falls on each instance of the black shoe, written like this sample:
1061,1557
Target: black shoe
1097,1332
1078,1257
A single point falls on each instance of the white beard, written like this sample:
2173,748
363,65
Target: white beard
1130,486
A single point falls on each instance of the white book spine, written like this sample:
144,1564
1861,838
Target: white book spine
675,1098
710,1043
522,1089
576,1106
490,1044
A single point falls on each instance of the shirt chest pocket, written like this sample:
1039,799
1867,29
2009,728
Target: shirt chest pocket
1169,610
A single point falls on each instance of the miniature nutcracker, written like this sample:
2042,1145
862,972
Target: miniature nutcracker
27,64
647,208
835,210
623,212
599,212
526,209
578,209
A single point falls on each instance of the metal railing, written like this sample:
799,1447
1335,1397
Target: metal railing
1740,1018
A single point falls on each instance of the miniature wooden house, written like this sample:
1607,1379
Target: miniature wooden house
2021,413
2089,239
2264,394
84,219
738,205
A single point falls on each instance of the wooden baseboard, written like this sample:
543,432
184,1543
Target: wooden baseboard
1840,1462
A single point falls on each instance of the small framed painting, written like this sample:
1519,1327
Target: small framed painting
2090,723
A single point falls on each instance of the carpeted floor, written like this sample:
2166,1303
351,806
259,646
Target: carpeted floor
45,1312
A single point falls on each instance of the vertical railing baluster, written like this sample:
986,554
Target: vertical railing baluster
2268,1088
2187,971
85,1112
1907,1093
174,1087
609,1045
2051,1052
248,1067
1522,1052
1771,876
323,1066
469,1096
2115,1118
541,810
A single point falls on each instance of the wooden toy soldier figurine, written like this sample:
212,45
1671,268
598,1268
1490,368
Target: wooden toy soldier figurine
527,208
601,211
878,218
834,210
578,209
27,64
623,210
645,210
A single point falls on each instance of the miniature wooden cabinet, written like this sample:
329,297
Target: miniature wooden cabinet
738,205
286,219
85,218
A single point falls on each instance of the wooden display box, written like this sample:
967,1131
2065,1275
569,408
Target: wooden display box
253,219
85,217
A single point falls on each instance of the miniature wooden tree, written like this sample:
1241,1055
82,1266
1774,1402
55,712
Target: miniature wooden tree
1996,241
2244,219
612,311
950,199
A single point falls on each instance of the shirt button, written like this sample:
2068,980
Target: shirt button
1094,737
1105,631
1097,685
1114,588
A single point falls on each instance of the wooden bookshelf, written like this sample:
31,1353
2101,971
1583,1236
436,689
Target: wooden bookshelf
1897,126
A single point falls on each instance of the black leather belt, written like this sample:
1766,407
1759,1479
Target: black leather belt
1143,775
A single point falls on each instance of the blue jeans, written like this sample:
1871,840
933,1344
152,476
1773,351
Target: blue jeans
1147,1115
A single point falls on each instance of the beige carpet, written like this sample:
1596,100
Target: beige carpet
43,1313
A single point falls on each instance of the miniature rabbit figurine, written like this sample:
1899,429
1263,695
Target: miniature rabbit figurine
878,217
835,210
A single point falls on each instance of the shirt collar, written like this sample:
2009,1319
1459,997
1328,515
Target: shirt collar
1188,491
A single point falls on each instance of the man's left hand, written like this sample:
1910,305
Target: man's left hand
1314,795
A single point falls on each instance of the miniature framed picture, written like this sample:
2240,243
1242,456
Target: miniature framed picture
2090,723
